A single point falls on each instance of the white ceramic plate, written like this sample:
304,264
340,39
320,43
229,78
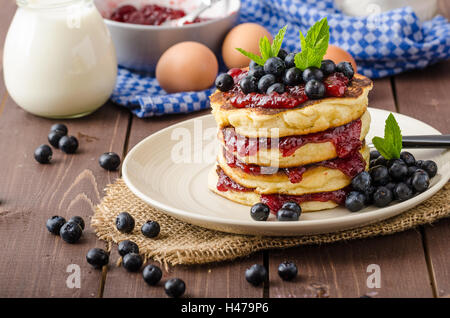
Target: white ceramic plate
153,171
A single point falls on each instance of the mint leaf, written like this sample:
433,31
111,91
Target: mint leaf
391,145
259,60
277,41
265,48
314,46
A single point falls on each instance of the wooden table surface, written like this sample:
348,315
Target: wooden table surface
33,263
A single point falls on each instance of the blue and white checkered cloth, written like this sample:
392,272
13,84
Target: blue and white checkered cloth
383,44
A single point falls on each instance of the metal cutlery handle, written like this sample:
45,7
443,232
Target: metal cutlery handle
426,141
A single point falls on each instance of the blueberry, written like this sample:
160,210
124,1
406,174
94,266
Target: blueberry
345,68
312,73
390,162
292,76
390,186
287,271
314,89
362,182
289,60
382,197
419,163
430,167
259,212
380,175
253,64
287,215
249,84
71,232
372,163
398,170
68,144
256,274
355,201
408,158
282,54
60,127
150,229
43,154
224,82
369,195
408,181
126,247
293,206
277,87
327,67
125,222
132,262
55,223
109,161
402,192
152,274
380,161
420,181
265,82
412,169
257,72
97,257
174,287
374,154
275,66
54,137
79,220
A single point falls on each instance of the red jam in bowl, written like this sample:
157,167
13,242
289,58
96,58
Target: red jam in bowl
346,139
151,14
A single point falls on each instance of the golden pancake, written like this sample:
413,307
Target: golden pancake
306,154
309,117
315,178
251,198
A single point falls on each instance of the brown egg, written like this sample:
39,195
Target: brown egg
336,54
187,66
245,36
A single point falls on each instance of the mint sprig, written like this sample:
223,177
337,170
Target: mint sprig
266,49
314,46
391,145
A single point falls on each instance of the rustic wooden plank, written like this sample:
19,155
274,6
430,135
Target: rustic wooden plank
430,103
340,270
215,280
6,15
34,262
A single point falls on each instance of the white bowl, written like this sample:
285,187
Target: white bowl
140,46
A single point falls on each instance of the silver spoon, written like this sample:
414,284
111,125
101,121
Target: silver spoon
424,141
206,4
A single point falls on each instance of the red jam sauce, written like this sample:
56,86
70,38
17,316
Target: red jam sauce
225,183
346,139
351,165
276,201
151,14
335,84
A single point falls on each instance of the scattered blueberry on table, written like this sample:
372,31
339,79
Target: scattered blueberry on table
126,247
132,262
55,223
43,154
54,137
125,222
97,257
109,161
175,287
152,274
68,144
60,127
150,229
287,271
256,274
71,232
79,220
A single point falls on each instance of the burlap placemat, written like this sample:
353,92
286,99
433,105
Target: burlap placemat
182,243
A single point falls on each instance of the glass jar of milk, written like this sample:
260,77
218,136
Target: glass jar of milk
59,60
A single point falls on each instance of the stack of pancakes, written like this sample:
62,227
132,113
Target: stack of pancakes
307,154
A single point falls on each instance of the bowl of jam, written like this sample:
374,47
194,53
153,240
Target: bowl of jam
140,36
